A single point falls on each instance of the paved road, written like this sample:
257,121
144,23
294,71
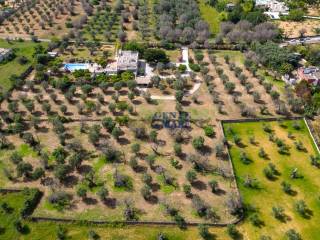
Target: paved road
295,41
298,41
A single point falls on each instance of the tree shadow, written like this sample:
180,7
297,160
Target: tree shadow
42,129
70,181
199,185
110,202
123,141
220,192
185,103
140,169
153,199
25,230
37,113
83,169
136,102
90,201
155,187
308,213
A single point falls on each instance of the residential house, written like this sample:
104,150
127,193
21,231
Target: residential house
274,8
309,74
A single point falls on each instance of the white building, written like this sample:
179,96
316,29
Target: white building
127,61
5,53
274,8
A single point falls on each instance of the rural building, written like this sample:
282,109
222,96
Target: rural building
309,74
5,53
127,61
53,54
274,9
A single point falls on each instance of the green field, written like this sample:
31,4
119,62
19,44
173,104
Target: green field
210,15
48,230
264,193
14,67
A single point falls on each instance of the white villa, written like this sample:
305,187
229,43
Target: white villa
127,61
274,8
124,61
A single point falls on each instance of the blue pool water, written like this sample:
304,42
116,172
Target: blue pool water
76,66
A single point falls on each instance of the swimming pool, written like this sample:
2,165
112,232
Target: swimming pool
76,66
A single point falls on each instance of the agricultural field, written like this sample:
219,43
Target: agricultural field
40,230
276,168
141,137
46,19
228,81
296,29
149,171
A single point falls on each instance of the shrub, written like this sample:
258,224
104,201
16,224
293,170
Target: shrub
60,200
244,158
214,186
301,208
191,176
198,143
177,149
187,190
278,212
293,235
194,67
92,235
209,131
182,68
204,231
232,231
33,197
286,187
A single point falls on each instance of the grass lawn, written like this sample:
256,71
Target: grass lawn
13,67
174,55
47,230
235,56
15,201
210,15
279,84
269,193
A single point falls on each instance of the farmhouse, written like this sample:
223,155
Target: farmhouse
274,9
5,53
127,61
309,74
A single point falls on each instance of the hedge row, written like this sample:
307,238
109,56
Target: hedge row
33,197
